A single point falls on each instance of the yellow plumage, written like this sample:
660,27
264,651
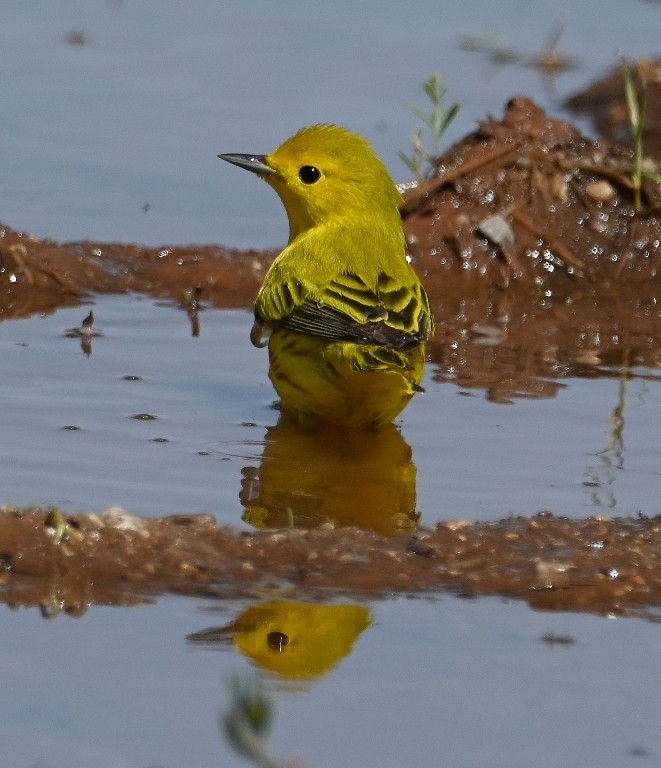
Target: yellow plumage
345,315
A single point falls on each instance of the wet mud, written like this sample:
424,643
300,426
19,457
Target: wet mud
539,265
599,565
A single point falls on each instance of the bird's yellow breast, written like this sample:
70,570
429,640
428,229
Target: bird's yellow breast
341,383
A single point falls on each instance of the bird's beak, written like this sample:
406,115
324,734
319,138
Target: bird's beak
255,163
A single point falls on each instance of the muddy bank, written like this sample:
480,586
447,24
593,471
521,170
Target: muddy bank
538,264
600,565
41,275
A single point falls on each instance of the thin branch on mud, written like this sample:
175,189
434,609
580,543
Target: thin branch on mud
564,253
420,195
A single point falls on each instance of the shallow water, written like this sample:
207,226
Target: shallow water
71,436
462,682
76,441
212,445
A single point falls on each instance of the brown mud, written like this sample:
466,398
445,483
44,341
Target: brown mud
600,565
538,266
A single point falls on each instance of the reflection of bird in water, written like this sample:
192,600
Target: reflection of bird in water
297,641
359,477
85,332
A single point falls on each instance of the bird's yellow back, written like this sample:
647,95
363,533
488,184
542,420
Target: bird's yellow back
344,311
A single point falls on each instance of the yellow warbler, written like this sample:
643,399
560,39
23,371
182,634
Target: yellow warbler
345,315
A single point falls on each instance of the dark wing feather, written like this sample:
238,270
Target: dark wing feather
393,315
331,323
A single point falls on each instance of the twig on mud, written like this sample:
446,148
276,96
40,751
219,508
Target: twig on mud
617,174
64,283
589,203
620,174
564,253
418,196
17,254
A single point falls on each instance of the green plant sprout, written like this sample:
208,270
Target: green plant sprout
637,106
248,721
437,121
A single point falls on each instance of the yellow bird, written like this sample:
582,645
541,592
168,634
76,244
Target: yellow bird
344,313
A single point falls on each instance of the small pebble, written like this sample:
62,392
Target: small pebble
118,517
600,191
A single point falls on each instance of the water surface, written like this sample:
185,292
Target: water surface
159,421
467,683
114,111
113,115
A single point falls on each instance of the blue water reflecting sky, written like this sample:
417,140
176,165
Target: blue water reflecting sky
117,138
449,681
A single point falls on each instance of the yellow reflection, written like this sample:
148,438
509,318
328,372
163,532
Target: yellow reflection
364,478
298,641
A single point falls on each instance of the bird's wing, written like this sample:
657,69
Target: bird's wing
346,309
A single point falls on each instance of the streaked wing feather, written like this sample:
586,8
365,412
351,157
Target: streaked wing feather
393,315
334,324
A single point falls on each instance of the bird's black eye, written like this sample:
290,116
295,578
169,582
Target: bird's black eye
308,174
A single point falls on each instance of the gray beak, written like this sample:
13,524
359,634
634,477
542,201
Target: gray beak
255,163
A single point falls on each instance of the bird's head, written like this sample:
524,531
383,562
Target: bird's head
325,173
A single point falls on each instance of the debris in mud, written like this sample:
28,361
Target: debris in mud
549,60
85,332
535,260
567,200
600,565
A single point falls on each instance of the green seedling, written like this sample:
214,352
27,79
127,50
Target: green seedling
637,106
247,723
421,161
